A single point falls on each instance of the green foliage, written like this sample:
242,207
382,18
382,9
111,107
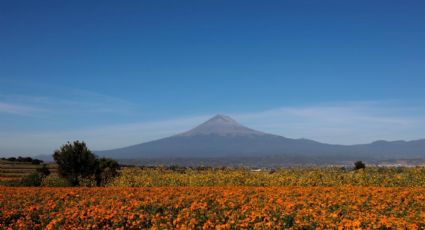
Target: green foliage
106,171
75,160
33,179
54,180
81,167
359,165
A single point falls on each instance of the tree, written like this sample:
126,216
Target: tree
36,161
359,165
75,160
80,166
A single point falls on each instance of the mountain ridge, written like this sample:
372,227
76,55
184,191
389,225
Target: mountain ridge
222,136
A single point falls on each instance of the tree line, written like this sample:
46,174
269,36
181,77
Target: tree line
23,160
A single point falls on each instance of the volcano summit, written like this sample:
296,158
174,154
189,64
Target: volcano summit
222,125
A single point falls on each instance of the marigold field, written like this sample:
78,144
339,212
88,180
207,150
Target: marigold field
216,207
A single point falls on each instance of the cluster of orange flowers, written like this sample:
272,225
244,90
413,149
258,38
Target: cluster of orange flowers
212,208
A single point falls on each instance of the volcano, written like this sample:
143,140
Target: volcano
223,137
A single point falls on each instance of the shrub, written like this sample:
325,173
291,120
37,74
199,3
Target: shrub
54,180
33,179
359,165
107,170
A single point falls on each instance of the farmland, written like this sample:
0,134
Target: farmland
16,170
185,198
213,207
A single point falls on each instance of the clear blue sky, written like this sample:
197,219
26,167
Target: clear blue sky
67,66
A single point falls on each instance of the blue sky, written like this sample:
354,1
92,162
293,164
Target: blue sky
122,73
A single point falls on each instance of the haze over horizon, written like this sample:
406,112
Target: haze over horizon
115,75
